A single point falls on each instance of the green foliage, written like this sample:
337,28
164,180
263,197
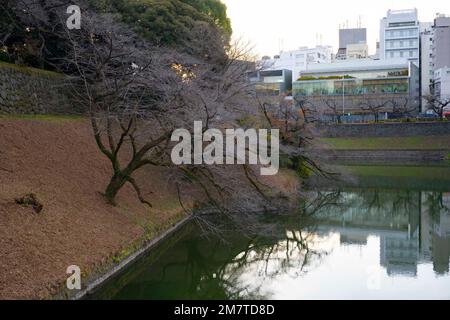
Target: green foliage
192,25
306,78
309,78
297,164
167,22
214,9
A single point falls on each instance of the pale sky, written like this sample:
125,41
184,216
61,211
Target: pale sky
271,25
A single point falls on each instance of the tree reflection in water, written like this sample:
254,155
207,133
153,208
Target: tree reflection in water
412,226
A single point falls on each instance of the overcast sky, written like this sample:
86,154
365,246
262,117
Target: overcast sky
288,24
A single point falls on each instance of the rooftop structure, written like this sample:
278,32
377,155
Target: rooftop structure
352,39
299,60
441,42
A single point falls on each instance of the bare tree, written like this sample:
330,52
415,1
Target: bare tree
335,107
307,108
374,106
136,94
403,107
124,95
292,120
437,104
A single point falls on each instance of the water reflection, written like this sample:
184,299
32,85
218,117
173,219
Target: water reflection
355,243
412,226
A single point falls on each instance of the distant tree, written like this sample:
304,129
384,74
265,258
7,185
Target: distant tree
437,104
306,107
335,107
374,106
403,107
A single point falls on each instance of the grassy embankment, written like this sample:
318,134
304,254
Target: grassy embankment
389,143
436,176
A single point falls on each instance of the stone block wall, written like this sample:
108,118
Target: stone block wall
383,129
33,91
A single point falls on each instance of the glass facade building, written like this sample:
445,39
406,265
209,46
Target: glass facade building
358,78
351,86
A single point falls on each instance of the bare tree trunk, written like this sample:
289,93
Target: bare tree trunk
115,184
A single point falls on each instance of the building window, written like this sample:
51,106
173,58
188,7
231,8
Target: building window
401,54
411,54
401,44
391,54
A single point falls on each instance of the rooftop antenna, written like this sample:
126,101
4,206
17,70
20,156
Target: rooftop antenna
280,44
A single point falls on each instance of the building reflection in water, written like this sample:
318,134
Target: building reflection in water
413,227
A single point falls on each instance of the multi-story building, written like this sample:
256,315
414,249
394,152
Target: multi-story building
441,43
350,84
353,40
357,51
442,83
271,82
300,59
435,58
399,35
426,62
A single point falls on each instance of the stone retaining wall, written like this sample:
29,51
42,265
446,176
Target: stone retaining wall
380,155
33,91
383,130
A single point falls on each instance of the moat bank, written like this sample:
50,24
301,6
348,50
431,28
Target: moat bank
56,159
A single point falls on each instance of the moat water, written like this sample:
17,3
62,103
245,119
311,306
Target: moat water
381,237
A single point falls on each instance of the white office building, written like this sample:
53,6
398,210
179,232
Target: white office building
357,51
426,61
400,35
442,83
299,60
